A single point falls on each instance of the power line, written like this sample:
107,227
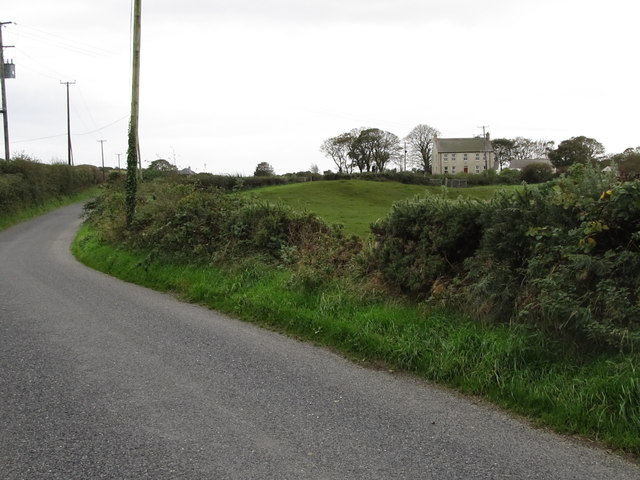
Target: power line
62,42
75,134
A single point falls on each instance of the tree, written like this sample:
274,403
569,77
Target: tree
537,173
162,165
527,149
420,143
627,162
263,169
337,148
576,150
372,148
504,150
507,150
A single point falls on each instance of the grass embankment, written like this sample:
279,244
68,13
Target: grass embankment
15,217
357,203
593,396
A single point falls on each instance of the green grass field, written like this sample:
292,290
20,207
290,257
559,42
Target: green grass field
356,204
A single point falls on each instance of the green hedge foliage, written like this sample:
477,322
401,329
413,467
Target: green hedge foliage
26,183
563,256
190,224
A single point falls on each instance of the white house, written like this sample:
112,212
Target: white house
462,155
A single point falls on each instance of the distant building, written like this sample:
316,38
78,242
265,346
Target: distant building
520,164
462,155
186,171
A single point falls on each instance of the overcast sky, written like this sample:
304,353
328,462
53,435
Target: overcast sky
226,84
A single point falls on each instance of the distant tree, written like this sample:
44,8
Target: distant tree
337,148
627,162
420,143
263,169
537,173
576,150
372,148
314,169
504,150
527,149
520,148
162,165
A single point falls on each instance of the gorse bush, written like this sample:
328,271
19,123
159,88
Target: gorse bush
187,223
563,256
26,183
423,240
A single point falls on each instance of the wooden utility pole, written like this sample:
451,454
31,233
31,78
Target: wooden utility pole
132,151
69,149
5,116
102,151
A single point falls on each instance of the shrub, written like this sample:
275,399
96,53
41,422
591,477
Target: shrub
424,239
537,173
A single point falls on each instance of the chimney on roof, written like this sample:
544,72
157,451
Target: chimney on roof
487,137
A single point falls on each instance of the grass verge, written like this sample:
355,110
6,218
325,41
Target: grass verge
13,218
596,398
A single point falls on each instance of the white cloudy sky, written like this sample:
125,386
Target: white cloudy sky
226,84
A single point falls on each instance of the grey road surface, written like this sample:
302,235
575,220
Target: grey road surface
100,379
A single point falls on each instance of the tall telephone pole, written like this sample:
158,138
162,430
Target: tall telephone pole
69,150
5,116
132,150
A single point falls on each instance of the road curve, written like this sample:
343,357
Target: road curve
100,379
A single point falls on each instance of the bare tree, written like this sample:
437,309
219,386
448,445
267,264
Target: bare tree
337,148
420,143
525,148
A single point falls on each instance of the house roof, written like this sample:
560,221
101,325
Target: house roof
462,145
521,163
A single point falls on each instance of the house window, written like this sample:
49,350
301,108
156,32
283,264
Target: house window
446,169
477,157
477,169
466,157
446,157
453,157
453,169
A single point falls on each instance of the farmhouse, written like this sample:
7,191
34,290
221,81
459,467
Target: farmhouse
462,155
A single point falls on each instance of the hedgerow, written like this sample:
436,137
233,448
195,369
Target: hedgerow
186,223
563,256
26,183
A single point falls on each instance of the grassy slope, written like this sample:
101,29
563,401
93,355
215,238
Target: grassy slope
356,203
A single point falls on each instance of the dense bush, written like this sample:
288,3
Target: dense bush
537,173
564,256
423,240
25,182
188,223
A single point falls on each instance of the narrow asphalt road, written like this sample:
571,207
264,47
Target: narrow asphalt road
100,379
